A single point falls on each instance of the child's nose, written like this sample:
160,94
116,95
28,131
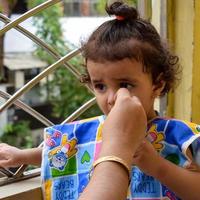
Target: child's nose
111,98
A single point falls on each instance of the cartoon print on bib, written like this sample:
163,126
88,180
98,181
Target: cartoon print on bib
59,156
68,154
155,137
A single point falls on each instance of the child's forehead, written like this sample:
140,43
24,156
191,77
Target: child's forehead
125,63
124,48
122,69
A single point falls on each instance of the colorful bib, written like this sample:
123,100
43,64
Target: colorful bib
70,150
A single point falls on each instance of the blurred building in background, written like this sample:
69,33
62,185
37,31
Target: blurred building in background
20,64
177,21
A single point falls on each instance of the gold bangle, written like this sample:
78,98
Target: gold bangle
113,159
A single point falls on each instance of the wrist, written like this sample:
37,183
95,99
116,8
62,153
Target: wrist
160,168
24,156
117,160
112,150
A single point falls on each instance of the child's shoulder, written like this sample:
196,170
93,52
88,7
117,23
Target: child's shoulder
176,125
175,132
81,131
88,121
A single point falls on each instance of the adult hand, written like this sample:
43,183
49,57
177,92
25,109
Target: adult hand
125,125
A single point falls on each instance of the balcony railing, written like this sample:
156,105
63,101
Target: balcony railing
26,183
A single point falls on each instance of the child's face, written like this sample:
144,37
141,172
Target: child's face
108,77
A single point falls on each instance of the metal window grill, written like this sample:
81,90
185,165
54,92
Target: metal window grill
20,174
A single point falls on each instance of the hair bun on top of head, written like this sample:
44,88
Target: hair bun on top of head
122,11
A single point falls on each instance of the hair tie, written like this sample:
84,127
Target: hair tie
119,17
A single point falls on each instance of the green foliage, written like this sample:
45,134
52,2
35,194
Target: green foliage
67,94
101,7
49,30
64,91
102,3
134,2
18,135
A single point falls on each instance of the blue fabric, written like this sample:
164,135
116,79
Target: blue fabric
70,150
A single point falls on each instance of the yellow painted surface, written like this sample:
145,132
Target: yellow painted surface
171,5
183,24
155,18
196,67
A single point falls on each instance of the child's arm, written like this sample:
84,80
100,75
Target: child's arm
13,157
181,181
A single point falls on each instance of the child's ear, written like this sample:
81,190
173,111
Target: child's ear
158,88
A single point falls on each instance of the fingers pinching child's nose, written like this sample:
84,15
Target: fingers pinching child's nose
122,92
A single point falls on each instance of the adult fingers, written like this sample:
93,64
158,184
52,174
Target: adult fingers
122,92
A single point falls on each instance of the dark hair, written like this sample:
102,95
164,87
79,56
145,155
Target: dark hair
134,38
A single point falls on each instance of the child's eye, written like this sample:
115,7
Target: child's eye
100,87
126,85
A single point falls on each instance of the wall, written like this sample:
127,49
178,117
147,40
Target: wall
196,65
184,48
181,36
